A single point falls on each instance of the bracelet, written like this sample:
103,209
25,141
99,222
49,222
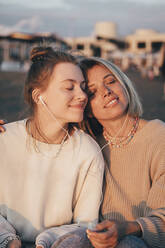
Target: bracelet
9,239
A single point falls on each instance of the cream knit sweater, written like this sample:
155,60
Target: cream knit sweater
135,183
38,191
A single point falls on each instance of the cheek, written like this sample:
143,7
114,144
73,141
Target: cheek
63,95
95,106
125,97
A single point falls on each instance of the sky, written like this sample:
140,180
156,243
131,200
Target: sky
75,18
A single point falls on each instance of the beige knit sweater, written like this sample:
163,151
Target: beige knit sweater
135,183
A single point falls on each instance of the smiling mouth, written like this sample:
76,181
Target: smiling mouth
78,106
112,102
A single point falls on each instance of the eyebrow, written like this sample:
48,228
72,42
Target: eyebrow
110,74
72,80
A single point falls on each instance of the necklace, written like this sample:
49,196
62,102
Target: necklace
42,150
117,142
61,145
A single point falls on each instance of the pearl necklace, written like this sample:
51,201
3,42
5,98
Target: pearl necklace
116,142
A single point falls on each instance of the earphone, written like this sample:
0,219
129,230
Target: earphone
52,115
91,225
41,100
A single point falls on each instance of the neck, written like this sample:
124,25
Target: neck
47,130
118,127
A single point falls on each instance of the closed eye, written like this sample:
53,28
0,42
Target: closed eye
70,88
111,81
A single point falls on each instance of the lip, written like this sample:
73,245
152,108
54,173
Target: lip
79,106
113,101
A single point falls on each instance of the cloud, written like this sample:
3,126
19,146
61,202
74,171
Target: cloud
37,3
78,17
24,25
157,2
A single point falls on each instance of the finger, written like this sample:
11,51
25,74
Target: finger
3,121
104,225
2,129
100,235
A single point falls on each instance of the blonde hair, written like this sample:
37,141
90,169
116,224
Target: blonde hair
134,103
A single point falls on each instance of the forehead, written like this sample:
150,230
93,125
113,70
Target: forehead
98,72
66,70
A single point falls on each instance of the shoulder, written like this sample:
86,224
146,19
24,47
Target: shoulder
154,135
156,128
89,153
87,143
13,130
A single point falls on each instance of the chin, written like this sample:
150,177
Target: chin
76,118
114,115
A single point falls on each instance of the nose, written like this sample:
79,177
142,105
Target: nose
81,94
106,91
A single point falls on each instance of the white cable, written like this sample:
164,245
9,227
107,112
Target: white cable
52,115
115,135
92,225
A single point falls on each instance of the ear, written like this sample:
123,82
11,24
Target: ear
35,95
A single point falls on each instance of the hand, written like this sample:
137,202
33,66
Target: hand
2,129
109,233
14,244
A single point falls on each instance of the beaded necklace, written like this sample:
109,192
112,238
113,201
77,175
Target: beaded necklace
116,142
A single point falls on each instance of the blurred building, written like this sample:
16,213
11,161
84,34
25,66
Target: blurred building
145,41
103,42
144,46
15,48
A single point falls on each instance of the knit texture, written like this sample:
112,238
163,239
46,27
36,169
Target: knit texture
39,191
135,183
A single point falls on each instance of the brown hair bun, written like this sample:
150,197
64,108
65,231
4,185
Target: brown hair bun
40,53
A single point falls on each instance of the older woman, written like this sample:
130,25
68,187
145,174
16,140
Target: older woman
133,210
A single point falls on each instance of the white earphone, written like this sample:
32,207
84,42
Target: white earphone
51,114
41,100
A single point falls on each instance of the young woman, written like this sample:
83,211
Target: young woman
50,171
133,210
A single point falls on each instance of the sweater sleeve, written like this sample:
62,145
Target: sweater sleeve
153,223
7,232
88,193
49,236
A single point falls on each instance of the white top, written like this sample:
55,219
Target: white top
38,190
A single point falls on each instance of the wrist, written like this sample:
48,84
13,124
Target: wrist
134,229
